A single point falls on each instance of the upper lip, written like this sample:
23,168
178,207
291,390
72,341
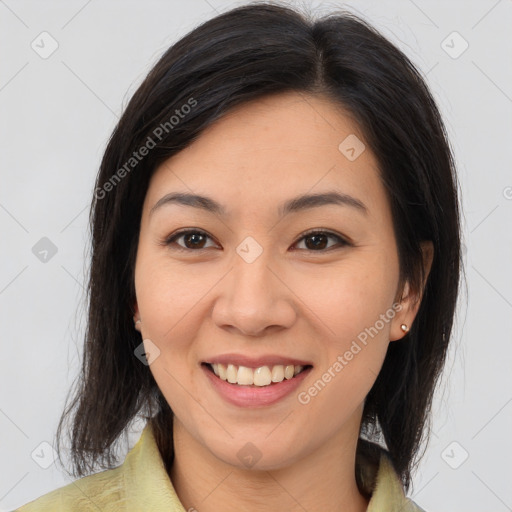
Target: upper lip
256,362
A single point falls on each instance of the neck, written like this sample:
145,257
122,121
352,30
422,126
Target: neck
322,481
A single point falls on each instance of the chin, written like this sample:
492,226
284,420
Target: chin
256,452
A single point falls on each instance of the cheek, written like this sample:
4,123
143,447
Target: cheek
353,307
349,298
351,361
172,301
167,301
168,297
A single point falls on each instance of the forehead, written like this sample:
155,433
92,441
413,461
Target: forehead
273,148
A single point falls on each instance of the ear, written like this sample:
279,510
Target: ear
410,302
136,317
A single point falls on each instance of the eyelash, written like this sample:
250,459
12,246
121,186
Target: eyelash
317,231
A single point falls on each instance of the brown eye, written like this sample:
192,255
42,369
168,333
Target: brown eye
315,241
319,240
192,240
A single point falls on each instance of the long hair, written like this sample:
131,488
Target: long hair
241,55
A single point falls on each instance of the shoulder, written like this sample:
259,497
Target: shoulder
413,507
101,491
139,483
387,492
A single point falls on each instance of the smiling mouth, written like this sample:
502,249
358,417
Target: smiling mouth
255,377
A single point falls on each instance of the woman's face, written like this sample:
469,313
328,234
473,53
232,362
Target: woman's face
247,287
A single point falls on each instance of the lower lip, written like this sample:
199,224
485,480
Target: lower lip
255,396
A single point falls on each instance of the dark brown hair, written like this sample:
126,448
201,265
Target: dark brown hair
238,56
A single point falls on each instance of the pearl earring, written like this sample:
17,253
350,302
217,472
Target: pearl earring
404,328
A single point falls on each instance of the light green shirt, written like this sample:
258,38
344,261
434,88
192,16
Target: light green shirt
141,483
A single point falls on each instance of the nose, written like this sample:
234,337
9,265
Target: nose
254,298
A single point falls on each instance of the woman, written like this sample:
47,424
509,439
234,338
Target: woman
275,270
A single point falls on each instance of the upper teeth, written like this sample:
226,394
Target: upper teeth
262,376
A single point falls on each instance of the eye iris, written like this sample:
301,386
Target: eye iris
317,244
196,237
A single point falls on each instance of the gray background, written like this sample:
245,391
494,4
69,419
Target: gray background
56,116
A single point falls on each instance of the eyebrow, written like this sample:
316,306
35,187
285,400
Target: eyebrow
296,204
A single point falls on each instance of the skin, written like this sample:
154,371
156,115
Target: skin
293,300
